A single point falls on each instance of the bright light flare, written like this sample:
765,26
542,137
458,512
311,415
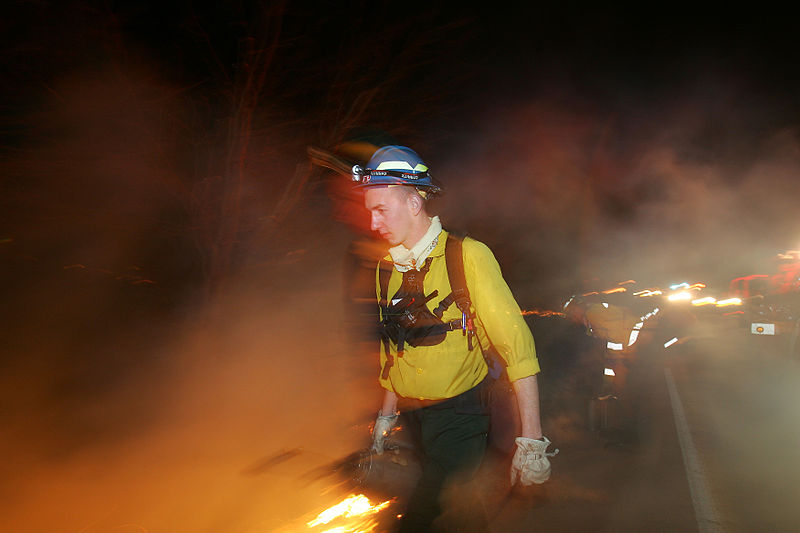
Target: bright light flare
679,296
729,301
670,342
648,293
609,372
686,286
708,300
355,511
789,254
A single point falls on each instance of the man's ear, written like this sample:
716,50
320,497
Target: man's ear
415,203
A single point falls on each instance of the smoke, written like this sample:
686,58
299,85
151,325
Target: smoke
590,194
131,398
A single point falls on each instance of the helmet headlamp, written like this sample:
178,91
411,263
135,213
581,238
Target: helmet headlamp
395,165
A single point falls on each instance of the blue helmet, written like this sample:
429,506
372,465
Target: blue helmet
396,165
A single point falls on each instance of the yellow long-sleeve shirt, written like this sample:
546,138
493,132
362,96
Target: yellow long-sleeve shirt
450,368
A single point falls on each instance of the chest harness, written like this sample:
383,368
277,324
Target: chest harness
406,319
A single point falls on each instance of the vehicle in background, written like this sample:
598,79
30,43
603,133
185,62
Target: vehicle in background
772,305
630,323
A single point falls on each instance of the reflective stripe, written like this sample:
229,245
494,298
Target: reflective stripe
397,165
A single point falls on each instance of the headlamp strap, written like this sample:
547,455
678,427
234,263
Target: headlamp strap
363,175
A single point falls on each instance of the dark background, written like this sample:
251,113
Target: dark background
597,138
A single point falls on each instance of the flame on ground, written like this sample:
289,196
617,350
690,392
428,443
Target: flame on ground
354,514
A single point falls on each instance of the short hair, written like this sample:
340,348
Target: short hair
408,190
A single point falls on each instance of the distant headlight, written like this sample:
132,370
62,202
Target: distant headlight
679,296
729,301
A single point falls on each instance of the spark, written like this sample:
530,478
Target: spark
541,312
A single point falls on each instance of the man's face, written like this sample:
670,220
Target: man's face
390,211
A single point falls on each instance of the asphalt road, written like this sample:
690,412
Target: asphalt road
715,447
742,400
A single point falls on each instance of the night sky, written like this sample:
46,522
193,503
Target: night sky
606,86
584,145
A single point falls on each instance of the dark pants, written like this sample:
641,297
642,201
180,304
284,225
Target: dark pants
452,444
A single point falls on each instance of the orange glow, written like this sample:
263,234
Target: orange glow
541,312
617,289
354,514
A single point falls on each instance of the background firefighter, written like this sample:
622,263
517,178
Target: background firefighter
432,363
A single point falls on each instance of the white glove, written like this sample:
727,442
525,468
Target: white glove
530,463
383,426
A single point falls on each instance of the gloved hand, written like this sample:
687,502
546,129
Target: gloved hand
383,426
530,463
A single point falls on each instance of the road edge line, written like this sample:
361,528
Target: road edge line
704,509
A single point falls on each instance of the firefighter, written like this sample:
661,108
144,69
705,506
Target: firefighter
435,333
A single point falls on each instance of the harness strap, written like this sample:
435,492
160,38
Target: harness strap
384,273
455,271
454,261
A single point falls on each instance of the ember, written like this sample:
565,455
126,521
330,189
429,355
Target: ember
541,312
